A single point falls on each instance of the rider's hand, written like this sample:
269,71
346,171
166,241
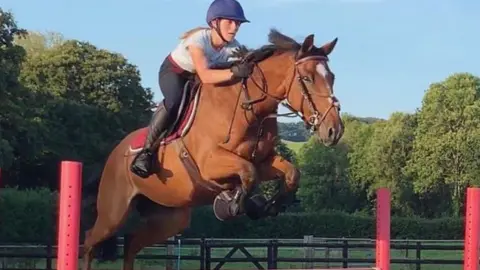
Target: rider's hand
242,70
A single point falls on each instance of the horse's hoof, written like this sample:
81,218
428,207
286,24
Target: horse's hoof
224,207
255,206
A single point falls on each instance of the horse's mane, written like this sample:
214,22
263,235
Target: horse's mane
279,43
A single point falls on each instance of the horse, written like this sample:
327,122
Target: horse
221,147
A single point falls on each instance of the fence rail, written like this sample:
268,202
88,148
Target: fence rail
307,253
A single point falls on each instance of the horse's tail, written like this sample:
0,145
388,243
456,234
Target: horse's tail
107,249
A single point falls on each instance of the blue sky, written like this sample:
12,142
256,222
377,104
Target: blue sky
387,54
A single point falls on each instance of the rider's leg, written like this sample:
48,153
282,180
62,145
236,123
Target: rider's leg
171,84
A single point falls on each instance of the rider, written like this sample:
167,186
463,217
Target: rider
198,50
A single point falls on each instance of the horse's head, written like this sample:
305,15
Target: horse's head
305,82
310,91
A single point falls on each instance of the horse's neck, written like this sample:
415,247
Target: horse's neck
276,74
221,107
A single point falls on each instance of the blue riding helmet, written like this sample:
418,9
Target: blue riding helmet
226,9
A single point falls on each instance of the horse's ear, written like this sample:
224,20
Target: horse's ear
328,48
307,44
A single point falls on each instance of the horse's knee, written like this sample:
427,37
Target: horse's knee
248,174
292,179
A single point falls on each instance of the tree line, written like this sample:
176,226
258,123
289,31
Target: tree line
62,99
426,158
67,99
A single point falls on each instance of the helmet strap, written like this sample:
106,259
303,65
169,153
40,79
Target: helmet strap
217,29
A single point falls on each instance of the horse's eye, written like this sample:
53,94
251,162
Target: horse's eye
306,79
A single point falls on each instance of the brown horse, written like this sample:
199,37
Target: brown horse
222,147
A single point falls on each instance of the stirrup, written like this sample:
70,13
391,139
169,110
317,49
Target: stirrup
147,169
145,152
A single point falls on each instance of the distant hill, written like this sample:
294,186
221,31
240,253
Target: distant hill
368,120
294,132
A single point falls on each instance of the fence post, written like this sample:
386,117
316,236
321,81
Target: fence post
208,255
345,254
202,253
309,252
49,250
170,252
272,253
472,223
383,229
69,215
418,254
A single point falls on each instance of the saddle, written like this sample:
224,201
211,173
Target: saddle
182,121
186,110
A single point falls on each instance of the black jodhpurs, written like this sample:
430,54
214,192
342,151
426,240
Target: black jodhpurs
172,79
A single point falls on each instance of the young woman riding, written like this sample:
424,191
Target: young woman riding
198,50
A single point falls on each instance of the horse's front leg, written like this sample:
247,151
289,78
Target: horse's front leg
222,164
278,167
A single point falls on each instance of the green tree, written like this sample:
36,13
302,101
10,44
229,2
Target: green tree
12,94
84,100
79,71
287,153
446,156
324,183
36,43
358,137
388,151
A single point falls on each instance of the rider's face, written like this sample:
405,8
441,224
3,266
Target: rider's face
229,28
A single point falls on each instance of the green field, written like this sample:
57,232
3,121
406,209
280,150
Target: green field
293,253
294,146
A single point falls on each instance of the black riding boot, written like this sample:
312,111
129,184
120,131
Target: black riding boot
143,163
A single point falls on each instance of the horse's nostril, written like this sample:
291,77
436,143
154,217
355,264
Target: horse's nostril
331,132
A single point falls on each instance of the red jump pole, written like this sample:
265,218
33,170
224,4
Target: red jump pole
383,230
69,215
472,223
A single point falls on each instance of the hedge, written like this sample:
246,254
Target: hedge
30,216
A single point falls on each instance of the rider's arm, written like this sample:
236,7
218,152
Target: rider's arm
201,66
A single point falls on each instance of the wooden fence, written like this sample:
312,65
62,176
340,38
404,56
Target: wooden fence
307,253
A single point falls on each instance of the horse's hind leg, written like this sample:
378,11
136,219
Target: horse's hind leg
159,226
113,203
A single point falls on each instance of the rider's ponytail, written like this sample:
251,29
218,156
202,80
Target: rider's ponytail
192,31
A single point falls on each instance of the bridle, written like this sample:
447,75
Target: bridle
316,119
312,123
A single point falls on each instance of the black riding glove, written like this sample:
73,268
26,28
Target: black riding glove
242,70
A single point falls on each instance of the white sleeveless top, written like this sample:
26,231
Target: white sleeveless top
201,38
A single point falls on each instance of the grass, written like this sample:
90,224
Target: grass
294,146
294,253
